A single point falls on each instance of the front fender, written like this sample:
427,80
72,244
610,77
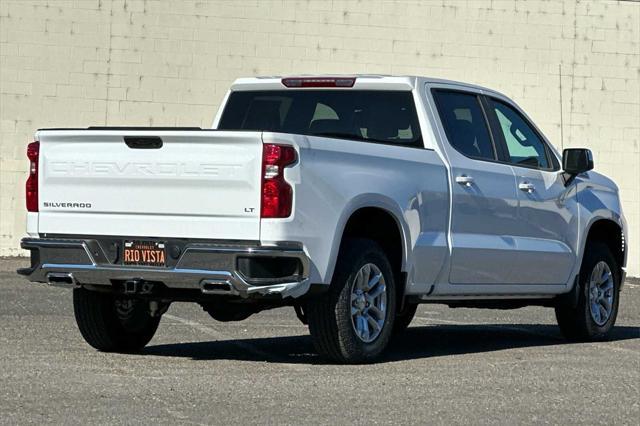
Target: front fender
598,199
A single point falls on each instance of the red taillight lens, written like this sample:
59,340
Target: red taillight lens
277,195
33,153
319,81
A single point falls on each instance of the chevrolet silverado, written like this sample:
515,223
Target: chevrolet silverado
350,198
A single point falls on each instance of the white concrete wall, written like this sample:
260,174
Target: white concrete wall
135,62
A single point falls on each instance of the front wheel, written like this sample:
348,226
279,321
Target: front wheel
593,315
113,324
353,321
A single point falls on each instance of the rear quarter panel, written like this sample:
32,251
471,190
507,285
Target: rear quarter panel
333,178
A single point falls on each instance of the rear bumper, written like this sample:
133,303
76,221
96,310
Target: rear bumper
210,268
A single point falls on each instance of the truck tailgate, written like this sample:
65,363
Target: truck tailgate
197,184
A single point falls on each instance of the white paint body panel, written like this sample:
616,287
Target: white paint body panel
200,184
336,177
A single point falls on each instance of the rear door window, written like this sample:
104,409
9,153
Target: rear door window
387,117
465,124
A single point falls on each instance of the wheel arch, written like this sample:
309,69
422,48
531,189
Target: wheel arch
376,209
610,229
610,233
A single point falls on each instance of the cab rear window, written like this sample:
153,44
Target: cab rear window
387,117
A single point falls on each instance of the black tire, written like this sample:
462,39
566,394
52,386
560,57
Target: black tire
404,318
109,329
574,313
329,315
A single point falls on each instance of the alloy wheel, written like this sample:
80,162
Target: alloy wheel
368,303
601,293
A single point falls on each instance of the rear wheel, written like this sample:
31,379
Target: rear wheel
353,321
113,324
592,315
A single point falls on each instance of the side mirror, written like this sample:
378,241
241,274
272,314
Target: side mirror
577,160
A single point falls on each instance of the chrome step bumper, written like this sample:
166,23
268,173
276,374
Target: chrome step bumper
208,267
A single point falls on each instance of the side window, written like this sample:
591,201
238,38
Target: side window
464,123
524,146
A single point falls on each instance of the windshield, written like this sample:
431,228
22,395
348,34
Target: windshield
365,115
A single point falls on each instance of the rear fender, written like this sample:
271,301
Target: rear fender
369,200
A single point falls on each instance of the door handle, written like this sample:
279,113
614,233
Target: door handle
527,187
464,180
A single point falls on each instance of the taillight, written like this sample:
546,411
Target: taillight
33,152
319,81
277,195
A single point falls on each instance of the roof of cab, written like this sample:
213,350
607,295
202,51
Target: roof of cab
362,82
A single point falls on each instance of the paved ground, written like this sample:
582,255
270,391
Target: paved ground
452,366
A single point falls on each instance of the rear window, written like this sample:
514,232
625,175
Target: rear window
464,123
372,116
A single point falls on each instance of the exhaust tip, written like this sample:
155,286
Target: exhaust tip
215,287
58,279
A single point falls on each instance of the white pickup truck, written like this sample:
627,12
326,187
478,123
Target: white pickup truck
352,199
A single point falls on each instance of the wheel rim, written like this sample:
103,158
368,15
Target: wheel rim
601,293
368,303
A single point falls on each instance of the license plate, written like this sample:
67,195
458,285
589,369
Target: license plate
144,253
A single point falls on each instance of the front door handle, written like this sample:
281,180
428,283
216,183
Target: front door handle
527,187
464,180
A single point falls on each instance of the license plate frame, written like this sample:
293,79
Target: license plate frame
141,252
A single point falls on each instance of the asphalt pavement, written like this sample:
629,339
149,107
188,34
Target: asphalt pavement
453,366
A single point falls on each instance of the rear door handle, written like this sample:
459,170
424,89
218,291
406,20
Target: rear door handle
464,180
527,187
